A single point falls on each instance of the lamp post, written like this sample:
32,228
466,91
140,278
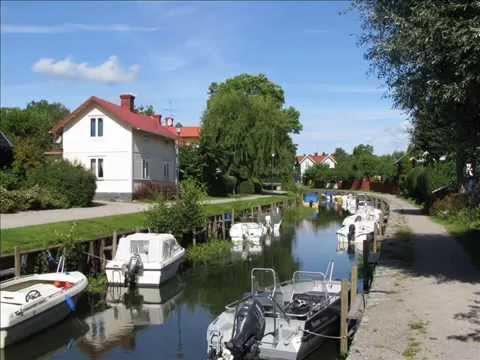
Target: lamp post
178,129
273,156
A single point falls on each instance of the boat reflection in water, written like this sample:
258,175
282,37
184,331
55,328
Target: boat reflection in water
128,311
50,343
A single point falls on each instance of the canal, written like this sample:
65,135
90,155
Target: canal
171,322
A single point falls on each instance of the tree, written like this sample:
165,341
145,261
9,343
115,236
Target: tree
428,53
340,154
29,130
145,110
191,163
245,122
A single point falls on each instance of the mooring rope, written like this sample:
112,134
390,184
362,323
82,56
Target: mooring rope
325,336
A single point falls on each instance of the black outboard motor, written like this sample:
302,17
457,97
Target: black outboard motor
134,267
351,233
248,330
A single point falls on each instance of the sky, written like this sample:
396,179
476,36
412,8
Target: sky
167,54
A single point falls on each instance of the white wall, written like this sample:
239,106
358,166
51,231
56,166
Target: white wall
158,151
305,165
330,163
115,147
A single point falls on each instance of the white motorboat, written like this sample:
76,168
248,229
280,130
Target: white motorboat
145,259
278,321
358,231
249,231
30,304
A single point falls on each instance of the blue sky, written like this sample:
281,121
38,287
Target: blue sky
167,53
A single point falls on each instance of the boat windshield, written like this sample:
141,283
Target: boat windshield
309,282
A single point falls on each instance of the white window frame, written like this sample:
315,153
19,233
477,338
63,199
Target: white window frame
95,169
95,121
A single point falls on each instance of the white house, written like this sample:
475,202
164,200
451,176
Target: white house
307,161
122,148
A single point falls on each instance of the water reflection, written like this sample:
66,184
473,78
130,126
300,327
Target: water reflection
127,312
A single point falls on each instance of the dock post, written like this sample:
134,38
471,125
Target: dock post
259,210
375,232
18,262
223,226
252,214
114,243
365,265
215,227
353,290
343,318
102,254
233,216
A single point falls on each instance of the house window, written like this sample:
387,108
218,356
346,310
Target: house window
93,129
146,170
96,167
166,171
96,127
100,127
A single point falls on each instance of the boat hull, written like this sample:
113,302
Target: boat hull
148,276
36,323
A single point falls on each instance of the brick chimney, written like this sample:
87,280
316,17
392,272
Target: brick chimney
316,154
127,101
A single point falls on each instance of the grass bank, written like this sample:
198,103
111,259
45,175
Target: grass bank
41,236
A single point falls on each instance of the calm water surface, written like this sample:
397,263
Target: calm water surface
171,322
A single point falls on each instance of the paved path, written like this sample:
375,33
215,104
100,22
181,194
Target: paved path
105,208
425,298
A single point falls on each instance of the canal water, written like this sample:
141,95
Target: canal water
170,323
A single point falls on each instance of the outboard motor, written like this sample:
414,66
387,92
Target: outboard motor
249,328
134,267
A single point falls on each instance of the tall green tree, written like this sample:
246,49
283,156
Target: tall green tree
428,53
29,130
245,122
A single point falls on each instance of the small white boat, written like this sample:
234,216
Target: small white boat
277,320
249,231
358,231
145,259
30,304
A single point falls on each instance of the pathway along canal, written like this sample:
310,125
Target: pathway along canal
171,322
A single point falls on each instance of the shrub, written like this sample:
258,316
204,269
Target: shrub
449,205
163,219
155,191
246,187
213,250
9,180
34,198
73,181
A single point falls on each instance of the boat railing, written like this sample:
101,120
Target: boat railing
310,276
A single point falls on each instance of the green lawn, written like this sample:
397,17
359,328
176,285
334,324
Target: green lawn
41,236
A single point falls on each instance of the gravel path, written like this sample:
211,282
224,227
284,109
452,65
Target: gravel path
105,208
425,298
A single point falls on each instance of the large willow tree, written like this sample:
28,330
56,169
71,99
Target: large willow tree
245,122
428,53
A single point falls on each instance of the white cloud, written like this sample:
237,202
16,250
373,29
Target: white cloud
66,28
109,72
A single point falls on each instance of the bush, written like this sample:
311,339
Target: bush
9,180
163,219
35,198
449,205
155,191
211,251
73,181
246,187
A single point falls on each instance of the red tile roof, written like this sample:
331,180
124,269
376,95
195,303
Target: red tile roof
318,159
137,121
187,131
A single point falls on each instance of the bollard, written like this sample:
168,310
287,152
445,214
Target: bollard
18,262
343,318
365,266
114,244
